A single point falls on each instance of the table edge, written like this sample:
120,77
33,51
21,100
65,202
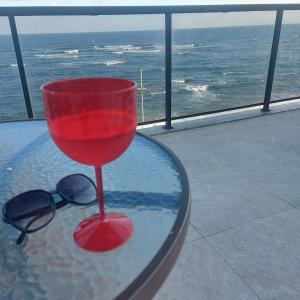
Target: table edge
148,282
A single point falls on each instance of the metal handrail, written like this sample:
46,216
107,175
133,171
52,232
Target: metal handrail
127,10
22,73
11,12
273,57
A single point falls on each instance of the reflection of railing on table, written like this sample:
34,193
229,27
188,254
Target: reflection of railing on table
142,89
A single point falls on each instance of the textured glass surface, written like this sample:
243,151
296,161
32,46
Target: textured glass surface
144,183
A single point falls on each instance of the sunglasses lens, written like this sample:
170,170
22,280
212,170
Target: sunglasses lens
77,189
31,210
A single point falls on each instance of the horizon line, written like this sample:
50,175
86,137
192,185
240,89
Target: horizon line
189,28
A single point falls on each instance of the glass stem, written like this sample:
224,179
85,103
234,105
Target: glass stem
100,190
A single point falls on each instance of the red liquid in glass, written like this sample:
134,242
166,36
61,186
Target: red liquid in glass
94,137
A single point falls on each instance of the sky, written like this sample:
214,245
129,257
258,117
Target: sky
53,24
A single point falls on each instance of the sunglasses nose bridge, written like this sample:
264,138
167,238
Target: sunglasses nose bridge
59,199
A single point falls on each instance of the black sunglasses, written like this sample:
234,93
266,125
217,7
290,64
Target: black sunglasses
33,210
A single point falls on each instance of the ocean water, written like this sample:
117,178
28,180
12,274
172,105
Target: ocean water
213,68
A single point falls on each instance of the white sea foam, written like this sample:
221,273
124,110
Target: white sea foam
157,93
187,45
197,88
143,89
121,49
15,65
113,62
98,48
212,46
123,46
234,72
115,48
56,55
178,80
140,49
71,51
144,51
42,55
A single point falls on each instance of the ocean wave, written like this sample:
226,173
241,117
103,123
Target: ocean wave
157,93
187,45
71,51
15,65
178,80
221,82
143,89
123,47
188,80
285,74
212,46
56,55
234,72
120,49
116,47
197,88
182,49
144,51
99,48
67,64
94,62
113,62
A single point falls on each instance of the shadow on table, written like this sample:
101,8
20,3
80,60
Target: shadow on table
153,201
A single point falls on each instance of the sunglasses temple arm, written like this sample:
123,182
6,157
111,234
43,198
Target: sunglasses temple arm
21,238
23,234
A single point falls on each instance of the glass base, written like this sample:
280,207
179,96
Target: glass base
103,233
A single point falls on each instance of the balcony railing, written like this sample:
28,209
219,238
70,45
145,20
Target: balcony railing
167,11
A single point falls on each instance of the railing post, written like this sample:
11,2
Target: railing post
168,69
15,38
272,63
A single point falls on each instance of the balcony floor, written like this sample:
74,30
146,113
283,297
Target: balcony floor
244,237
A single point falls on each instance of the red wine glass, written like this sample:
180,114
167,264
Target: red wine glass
93,121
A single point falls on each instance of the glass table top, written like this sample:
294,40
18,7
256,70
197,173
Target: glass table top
145,183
